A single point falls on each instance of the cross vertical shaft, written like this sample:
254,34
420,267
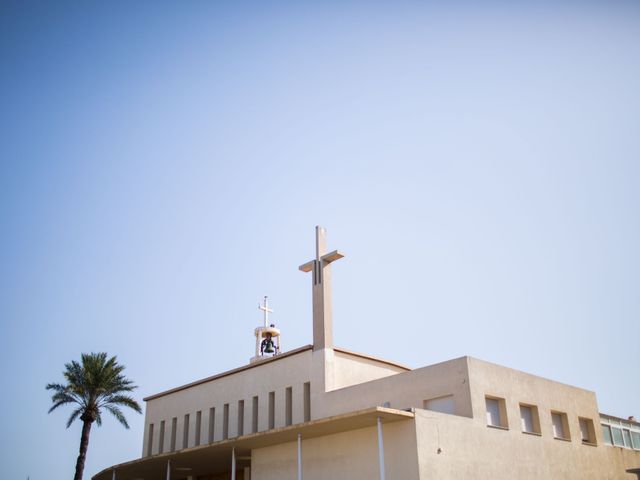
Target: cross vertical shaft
320,268
322,307
265,308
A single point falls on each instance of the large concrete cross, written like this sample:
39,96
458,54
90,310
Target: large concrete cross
321,281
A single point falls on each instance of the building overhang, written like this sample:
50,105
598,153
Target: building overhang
215,458
635,471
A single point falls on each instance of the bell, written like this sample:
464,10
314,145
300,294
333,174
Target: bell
269,348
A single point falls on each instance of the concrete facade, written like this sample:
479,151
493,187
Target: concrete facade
323,412
276,407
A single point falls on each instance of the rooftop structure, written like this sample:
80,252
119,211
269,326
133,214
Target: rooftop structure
319,412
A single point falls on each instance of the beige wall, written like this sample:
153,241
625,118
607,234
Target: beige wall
436,445
351,455
273,376
352,369
321,368
404,390
470,449
517,387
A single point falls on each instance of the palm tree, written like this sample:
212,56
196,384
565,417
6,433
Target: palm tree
94,384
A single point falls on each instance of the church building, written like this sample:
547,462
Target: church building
321,412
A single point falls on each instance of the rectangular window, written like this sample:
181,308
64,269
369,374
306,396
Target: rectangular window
496,412
272,409
442,404
240,418
606,433
635,437
174,426
617,437
560,425
225,421
529,419
587,431
161,444
150,440
307,401
288,406
254,415
627,438
198,426
212,423
185,432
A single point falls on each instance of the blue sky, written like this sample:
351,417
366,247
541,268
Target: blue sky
162,166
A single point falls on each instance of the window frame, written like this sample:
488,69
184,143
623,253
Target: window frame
566,431
535,419
502,412
449,398
591,431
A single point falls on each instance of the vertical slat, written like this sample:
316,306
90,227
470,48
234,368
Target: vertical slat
380,449
299,456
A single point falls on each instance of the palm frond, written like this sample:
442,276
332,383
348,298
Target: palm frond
75,414
122,400
58,387
61,402
116,412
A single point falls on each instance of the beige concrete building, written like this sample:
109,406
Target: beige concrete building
319,412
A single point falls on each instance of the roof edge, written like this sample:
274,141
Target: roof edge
371,357
266,361
613,417
475,359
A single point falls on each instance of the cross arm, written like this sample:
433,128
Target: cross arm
307,267
332,256
326,259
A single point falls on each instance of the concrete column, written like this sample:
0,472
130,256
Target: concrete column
168,469
258,341
233,463
380,449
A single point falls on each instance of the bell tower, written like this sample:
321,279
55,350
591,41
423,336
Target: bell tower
267,336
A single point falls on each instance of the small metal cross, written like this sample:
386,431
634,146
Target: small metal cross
265,308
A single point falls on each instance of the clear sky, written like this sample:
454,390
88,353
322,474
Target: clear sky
163,165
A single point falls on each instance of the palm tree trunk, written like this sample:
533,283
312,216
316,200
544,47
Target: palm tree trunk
84,444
